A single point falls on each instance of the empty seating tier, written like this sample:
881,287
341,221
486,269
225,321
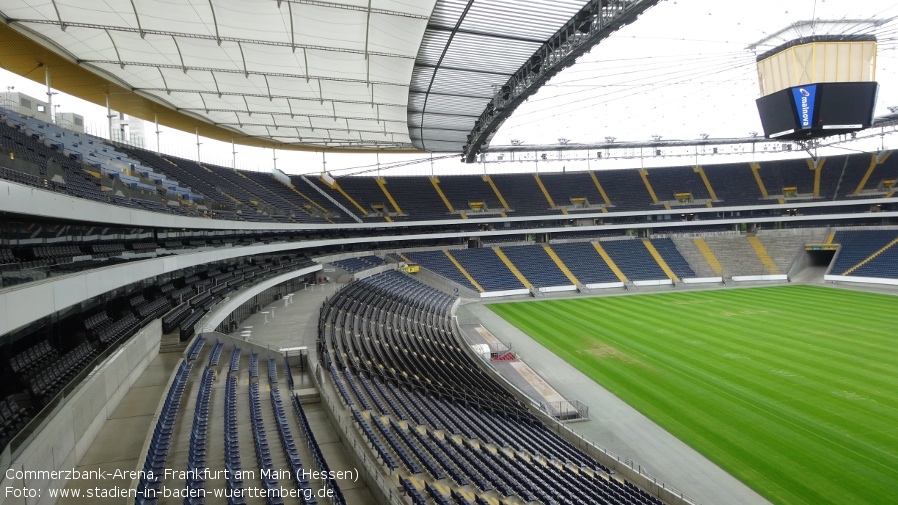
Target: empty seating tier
428,411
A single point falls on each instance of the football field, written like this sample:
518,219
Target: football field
791,389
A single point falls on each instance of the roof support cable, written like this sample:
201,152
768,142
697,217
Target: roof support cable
114,46
164,84
292,31
216,83
305,58
243,57
268,87
215,22
180,55
367,57
137,19
62,25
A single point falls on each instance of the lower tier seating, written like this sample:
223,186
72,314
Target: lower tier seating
429,412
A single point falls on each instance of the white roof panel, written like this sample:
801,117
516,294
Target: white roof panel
343,67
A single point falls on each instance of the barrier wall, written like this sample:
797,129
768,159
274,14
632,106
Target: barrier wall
220,313
24,304
605,285
865,280
27,200
654,282
69,432
445,284
702,280
557,289
510,292
749,278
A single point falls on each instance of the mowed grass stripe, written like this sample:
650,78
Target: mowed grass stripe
797,434
787,439
792,391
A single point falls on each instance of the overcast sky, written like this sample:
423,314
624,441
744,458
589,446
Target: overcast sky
683,69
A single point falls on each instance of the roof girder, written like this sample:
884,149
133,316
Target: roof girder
218,39
592,24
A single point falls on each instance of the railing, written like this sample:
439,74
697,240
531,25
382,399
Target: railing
373,470
33,429
567,410
567,433
587,446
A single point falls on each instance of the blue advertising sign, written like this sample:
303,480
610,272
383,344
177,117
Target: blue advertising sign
804,103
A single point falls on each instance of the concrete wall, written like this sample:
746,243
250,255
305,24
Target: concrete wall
26,200
69,432
863,280
24,304
220,313
447,285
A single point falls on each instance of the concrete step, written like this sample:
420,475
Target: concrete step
171,342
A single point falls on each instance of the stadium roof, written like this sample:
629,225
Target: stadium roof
292,74
468,50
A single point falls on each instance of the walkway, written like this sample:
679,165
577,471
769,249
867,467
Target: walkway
620,428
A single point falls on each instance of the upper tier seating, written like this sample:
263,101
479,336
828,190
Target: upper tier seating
462,190
564,186
92,169
523,195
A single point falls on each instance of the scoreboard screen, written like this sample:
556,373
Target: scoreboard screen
818,110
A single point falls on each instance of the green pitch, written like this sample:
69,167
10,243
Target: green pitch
792,389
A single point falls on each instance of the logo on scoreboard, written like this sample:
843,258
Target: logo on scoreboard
804,103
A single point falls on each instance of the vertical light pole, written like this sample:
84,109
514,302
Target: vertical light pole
109,116
8,103
158,146
49,94
198,144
